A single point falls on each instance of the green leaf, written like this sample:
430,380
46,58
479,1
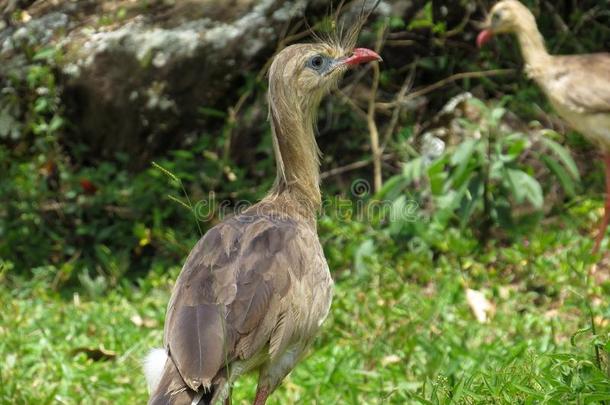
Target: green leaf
458,391
396,214
392,187
405,134
597,396
412,170
525,186
448,202
562,175
45,54
496,115
461,158
516,143
41,104
56,123
396,22
437,176
478,104
472,197
463,151
563,155
423,20
531,392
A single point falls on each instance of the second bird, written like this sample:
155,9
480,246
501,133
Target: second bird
578,86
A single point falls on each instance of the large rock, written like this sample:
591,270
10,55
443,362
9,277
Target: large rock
135,77
140,77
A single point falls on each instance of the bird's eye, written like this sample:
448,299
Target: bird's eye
496,17
317,62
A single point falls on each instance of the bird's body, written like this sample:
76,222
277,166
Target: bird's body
577,86
256,288
267,289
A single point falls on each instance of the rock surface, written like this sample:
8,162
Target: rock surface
141,77
134,77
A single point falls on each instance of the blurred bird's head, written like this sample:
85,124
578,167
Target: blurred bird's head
507,16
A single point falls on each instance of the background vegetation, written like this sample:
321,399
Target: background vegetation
500,200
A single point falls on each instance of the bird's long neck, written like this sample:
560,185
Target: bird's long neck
297,153
532,43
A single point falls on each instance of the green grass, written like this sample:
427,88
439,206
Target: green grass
400,329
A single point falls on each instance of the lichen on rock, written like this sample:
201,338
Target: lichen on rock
133,78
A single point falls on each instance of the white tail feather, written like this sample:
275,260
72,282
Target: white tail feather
153,365
197,398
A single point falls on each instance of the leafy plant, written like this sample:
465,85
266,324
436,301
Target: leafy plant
487,181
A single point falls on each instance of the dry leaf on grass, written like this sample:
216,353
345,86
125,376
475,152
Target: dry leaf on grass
145,322
96,354
481,307
390,359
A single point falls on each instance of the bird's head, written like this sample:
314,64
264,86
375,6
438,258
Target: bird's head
302,74
507,16
299,77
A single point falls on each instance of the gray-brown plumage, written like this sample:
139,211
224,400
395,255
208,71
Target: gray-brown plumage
255,289
578,86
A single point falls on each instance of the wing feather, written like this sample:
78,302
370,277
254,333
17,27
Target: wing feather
225,303
585,82
281,334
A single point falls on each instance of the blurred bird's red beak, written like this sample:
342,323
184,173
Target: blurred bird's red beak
484,37
362,55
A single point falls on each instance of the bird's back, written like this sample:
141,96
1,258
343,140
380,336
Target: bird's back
578,86
250,287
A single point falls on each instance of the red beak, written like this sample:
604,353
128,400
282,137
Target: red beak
484,37
362,55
